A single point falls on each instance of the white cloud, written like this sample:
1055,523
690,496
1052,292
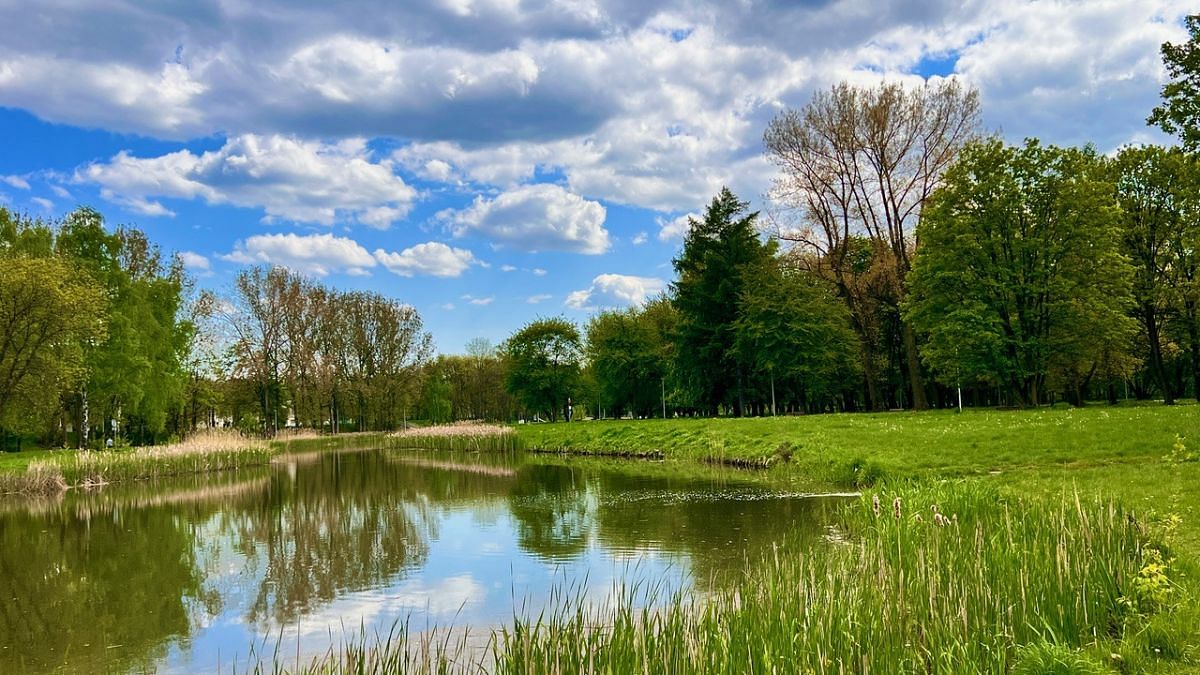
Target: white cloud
46,204
290,179
16,181
479,301
538,272
676,228
615,290
449,306
316,254
540,217
194,261
60,191
508,268
431,259
654,104
639,238
539,298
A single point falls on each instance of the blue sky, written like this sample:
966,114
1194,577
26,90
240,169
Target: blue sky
489,161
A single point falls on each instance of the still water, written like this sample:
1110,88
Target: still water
194,576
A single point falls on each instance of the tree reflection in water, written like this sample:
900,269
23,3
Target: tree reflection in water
132,579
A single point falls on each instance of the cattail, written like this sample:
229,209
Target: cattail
896,508
875,505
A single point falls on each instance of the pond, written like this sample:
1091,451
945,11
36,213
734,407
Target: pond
197,575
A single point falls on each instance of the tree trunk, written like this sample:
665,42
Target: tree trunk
871,379
1156,360
1194,338
915,380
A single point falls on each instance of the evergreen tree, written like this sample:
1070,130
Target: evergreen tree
717,252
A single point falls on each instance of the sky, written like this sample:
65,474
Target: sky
494,161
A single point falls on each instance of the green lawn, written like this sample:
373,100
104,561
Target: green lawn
902,444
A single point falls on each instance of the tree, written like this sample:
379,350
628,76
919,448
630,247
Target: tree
1179,113
1020,278
543,365
863,162
49,313
794,330
136,372
1151,185
627,350
716,252
256,318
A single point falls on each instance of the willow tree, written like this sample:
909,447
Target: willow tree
1020,280
862,162
49,312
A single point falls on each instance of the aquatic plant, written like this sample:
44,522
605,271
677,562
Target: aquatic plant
462,436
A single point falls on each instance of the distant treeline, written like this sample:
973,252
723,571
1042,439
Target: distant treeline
101,338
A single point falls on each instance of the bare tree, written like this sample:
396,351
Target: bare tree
858,164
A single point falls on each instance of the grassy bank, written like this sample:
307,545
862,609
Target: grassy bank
862,448
48,473
952,578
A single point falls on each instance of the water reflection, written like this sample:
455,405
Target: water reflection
189,574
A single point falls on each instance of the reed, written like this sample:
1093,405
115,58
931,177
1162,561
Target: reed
202,453
460,437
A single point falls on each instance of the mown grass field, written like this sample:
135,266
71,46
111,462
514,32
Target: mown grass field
897,444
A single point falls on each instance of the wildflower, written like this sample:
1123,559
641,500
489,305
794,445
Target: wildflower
875,504
896,508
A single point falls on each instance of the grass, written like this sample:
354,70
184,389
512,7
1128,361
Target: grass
861,448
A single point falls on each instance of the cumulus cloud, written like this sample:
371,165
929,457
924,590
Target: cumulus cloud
539,298
540,217
290,179
194,261
316,254
46,204
650,104
471,299
431,258
615,290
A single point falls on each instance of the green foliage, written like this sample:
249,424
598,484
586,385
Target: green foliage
630,356
1047,658
49,313
1179,113
717,253
544,361
1020,281
793,331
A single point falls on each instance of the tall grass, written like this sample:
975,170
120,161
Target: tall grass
461,437
945,579
201,453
